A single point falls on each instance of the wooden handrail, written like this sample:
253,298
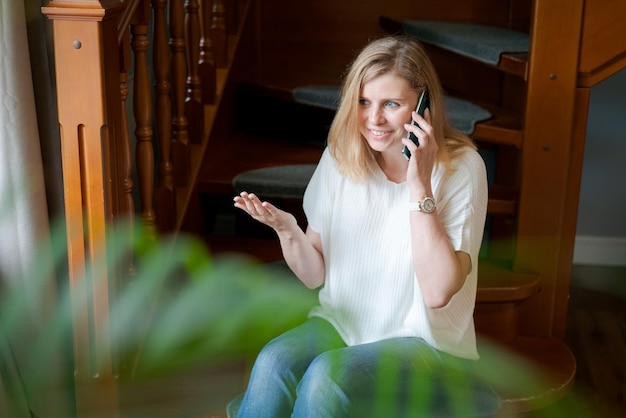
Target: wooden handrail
127,15
93,43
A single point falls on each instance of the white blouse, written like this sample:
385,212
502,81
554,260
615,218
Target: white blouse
371,291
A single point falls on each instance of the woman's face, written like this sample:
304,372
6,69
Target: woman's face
385,105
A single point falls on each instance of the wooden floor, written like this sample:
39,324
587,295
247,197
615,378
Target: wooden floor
596,333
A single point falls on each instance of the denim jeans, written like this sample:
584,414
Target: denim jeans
310,372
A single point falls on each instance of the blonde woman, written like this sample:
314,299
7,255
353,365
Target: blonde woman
392,242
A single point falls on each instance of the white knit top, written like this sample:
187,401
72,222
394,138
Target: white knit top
371,291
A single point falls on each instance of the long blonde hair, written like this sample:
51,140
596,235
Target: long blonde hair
404,57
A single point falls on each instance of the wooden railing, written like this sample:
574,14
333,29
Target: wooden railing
177,93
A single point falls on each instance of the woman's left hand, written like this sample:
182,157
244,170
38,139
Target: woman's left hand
423,157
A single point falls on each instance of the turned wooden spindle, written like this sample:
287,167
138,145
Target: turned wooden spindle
165,192
125,163
142,110
123,153
206,65
218,34
193,99
180,144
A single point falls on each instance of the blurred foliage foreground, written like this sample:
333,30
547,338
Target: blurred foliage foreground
173,307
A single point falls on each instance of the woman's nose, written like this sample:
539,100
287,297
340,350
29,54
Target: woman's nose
376,115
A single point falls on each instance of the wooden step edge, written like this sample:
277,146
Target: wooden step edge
510,63
495,132
498,284
515,64
497,206
502,200
529,373
503,128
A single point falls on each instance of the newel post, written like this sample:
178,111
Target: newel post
88,95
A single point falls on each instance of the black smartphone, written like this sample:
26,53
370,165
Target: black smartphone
422,104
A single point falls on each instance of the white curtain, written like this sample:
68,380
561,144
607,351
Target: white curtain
24,238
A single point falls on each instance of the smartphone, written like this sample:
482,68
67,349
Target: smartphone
422,104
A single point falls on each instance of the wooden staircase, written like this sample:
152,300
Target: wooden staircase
249,119
538,100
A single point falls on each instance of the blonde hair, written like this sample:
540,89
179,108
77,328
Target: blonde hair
403,57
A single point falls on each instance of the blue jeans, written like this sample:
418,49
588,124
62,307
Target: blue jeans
310,372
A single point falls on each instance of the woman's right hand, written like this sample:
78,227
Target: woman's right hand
265,212
302,251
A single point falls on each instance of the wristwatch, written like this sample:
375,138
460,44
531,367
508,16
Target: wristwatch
426,205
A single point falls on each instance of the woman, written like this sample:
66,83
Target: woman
392,243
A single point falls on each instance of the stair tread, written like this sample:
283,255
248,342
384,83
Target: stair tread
480,42
501,48
528,373
242,152
497,282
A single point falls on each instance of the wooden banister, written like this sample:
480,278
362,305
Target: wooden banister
93,43
88,97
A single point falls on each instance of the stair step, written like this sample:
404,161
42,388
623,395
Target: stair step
283,182
528,373
229,157
501,48
497,282
498,300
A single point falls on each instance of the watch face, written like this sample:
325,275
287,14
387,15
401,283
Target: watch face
428,204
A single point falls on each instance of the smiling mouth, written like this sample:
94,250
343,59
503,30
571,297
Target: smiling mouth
377,133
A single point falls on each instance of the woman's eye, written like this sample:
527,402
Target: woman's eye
391,104
363,102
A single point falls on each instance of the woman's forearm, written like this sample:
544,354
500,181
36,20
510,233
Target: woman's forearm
440,271
302,252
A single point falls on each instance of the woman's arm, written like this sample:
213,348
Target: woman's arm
302,251
441,271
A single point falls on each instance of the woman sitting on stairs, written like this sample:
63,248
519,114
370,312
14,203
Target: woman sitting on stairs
392,242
